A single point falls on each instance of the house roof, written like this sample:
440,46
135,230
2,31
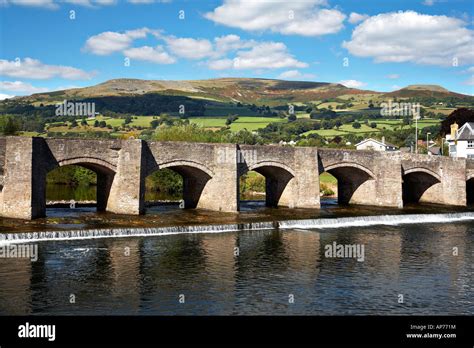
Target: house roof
376,141
466,132
435,150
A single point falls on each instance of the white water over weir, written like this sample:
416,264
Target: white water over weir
324,223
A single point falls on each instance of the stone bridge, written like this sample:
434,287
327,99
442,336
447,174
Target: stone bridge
211,174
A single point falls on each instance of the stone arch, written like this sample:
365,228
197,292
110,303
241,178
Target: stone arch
185,163
422,170
470,189
94,164
352,180
104,170
279,181
195,177
416,182
267,164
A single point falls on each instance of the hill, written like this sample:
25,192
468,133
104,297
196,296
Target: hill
429,91
244,90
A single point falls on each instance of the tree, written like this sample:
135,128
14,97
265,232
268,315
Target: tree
128,119
373,125
9,127
356,125
460,116
96,123
292,117
326,124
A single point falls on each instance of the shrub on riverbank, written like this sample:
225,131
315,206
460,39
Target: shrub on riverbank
72,176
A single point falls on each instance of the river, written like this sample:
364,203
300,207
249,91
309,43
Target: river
261,261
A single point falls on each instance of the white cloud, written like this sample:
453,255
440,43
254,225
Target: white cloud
189,48
221,53
304,18
53,4
357,17
21,87
294,75
91,3
264,55
109,42
151,54
231,42
33,69
393,76
413,37
49,4
5,96
139,2
428,2
352,83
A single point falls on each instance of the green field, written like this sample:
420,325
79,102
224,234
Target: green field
250,123
364,129
140,121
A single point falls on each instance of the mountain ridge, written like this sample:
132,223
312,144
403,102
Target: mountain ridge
234,89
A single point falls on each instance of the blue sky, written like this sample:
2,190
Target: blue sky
376,45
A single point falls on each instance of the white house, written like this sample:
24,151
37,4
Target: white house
375,145
461,141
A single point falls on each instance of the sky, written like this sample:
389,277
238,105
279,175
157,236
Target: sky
48,45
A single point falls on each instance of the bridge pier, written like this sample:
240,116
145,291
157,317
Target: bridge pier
221,192
24,184
303,191
104,185
127,191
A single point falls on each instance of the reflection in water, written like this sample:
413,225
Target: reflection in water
56,192
147,275
88,193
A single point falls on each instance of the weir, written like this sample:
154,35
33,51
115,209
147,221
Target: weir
319,224
211,174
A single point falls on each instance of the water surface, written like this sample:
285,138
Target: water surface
147,275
